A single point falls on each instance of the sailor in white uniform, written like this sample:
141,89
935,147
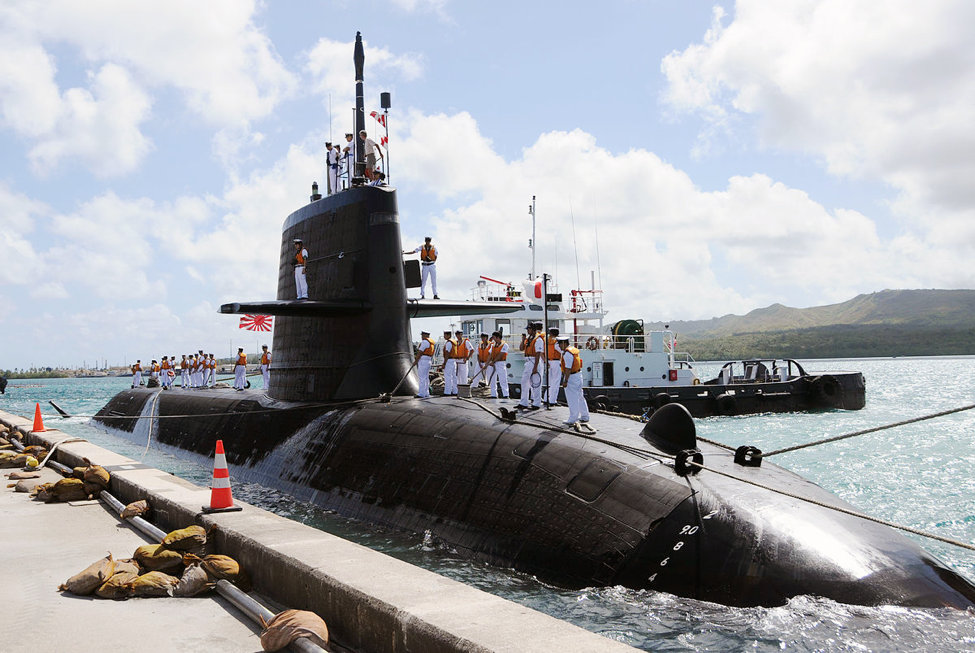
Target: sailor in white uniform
266,366
424,356
464,351
449,365
301,279
332,165
428,266
554,366
572,382
499,359
137,373
533,346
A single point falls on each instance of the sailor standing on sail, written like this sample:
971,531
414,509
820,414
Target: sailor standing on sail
449,365
572,382
301,279
184,372
428,266
164,379
348,158
137,373
332,164
266,366
499,358
212,364
554,366
240,370
424,356
464,351
533,346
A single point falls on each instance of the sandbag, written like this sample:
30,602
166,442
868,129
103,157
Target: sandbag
220,567
25,485
17,476
128,564
285,627
43,493
96,474
185,539
78,472
12,459
118,587
154,583
155,557
135,509
87,581
195,580
69,489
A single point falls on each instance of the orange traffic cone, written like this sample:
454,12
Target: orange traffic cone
38,422
221,500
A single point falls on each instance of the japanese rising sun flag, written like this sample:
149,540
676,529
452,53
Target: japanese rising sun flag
256,322
383,141
378,117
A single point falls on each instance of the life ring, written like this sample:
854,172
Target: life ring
593,343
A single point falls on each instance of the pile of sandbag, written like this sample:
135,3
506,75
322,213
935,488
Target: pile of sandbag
84,483
23,481
176,567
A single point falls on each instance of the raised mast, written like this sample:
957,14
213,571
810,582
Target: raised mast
359,57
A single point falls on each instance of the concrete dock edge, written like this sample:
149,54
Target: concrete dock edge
371,601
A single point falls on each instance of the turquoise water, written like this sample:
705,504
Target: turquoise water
920,475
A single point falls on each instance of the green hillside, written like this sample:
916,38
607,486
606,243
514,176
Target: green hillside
887,323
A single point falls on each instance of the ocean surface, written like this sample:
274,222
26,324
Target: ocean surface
920,475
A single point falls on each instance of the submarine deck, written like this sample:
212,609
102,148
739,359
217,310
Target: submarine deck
371,602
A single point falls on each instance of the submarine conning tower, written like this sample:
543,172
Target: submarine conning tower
354,341
351,338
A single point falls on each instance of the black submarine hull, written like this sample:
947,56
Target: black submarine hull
572,509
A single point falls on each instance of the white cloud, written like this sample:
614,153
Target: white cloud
876,91
17,216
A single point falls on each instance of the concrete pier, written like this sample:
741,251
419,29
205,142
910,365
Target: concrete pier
370,601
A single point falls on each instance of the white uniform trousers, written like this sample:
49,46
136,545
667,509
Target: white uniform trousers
554,380
164,378
185,377
450,377
211,377
481,374
240,373
423,371
136,379
333,179
301,282
578,409
266,373
428,272
500,377
461,372
531,387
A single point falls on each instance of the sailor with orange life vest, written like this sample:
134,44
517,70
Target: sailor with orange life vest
164,379
184,372
154,370
266,366
449,365
240,370
301,278
424,357
201,369
137,373
483,359
212,364
572,382
194,371
533,346
464,352
428,266
554,355
498,361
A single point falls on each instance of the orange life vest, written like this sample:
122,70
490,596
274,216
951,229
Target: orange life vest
213,363
242,359
530,346
165,365
428,253
462,349
155,368
498,348
300,256
426,347
483,352
265,358
454,348
576,361
185,364
136,368
553,354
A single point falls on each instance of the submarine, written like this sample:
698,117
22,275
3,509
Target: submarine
647,506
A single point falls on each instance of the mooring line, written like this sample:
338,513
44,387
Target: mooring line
865,431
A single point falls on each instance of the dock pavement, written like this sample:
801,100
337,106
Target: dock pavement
370,601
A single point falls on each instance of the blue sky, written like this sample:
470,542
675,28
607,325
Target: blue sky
732,154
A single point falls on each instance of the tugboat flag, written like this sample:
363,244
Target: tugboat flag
378,117
256,322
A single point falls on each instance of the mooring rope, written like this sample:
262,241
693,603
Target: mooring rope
865,431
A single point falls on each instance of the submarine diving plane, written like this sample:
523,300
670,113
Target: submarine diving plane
647,506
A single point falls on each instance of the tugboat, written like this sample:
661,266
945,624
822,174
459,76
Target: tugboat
645,506
628,370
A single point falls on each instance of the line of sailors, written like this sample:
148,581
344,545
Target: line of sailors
564,367
240,368
196,371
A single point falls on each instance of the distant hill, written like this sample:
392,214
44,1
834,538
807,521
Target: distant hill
886,323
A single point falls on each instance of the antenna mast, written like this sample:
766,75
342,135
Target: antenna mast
531,243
